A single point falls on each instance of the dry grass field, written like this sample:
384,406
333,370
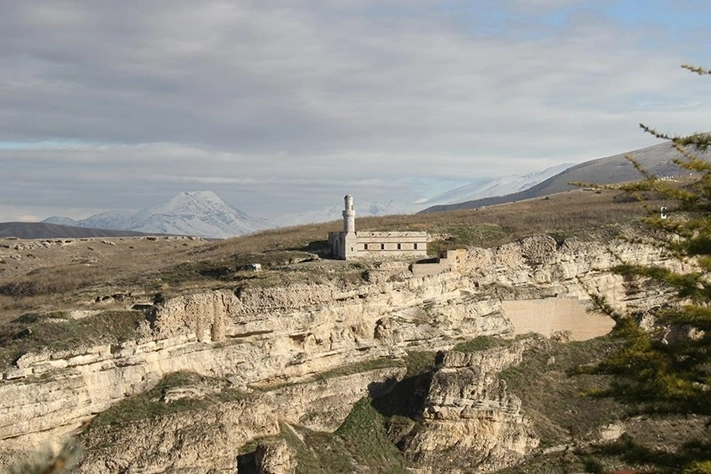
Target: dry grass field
42,282
39,276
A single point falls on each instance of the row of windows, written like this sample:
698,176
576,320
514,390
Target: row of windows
382,246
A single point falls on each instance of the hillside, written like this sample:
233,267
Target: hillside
657,159
204,214
320,366
43,230
494,187
167,264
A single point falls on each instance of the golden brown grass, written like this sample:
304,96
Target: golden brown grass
572,213
73,275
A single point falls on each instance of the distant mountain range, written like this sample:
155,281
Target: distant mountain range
198,213
204,214
332,213
657,159
43,230
475,190
494,187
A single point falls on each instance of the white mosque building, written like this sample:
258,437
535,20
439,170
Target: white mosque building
349,244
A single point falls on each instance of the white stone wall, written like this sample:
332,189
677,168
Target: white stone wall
378,244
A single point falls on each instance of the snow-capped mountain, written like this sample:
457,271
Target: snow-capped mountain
108,219
333,213
205,214
494,187
474,190
60,220
200,213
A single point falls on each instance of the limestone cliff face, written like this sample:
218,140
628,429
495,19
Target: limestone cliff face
264,336
470,422
279,334
540,266
275,458
202,441
202,315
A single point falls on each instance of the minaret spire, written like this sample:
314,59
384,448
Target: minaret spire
348,215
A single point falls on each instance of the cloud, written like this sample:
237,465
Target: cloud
279,103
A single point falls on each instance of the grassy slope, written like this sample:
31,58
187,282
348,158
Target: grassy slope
57,277
42,280
570,422
172,267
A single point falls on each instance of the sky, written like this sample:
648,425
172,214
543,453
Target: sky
286,105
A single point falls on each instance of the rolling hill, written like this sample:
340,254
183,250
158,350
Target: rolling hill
43,230
657,159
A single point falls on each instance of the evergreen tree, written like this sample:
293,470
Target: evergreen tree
653,371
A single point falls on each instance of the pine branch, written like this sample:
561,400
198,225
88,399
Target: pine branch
668,369
698,70
655,133
699,140
643,171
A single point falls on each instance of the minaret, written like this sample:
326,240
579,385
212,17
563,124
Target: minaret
350,239
348,215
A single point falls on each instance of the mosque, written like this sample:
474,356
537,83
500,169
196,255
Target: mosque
349,244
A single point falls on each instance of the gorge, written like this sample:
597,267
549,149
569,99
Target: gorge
299,354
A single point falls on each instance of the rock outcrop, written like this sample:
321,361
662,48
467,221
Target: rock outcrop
275,457
470,423
267,335
209,439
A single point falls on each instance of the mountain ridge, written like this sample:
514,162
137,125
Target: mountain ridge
496,187
205,214
45,230
486,187
656,159
195,213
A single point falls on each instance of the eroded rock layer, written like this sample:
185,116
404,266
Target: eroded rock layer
267,335
470,421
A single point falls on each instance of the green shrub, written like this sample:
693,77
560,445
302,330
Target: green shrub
481,343
33,332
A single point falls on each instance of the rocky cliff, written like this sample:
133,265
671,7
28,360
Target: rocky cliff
208,439
470,422
265,335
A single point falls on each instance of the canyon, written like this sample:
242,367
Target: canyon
296,357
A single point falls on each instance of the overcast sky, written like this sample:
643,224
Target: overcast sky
284,105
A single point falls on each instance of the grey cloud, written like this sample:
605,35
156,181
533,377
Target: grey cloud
252,78
295,99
